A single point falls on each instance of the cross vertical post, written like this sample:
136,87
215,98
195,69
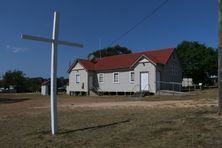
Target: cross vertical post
53,96
54,41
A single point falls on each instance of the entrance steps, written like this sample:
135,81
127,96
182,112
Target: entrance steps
141,94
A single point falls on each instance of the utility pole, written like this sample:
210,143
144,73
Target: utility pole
220,58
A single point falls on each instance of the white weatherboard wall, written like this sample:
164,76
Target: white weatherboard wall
45,90
171,72
124,84
146,67
170,75
73,86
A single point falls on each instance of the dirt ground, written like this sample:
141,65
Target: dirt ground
145,104
29,101
114,121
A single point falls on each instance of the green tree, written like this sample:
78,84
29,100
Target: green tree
33,84
16,78
110,51
1,83
61,81
198,61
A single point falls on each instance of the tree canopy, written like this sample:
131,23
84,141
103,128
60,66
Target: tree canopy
15,78
198,61
110,51
25,84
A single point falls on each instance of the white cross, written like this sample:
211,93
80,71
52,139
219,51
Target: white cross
55,43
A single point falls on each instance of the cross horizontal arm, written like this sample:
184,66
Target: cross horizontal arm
42,39
35,38
70,43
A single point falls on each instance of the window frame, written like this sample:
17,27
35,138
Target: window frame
130,73
78,80
117,77
98,76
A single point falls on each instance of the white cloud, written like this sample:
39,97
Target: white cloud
8,46
15,49
19,49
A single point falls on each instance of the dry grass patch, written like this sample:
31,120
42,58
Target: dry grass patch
128,127
27,126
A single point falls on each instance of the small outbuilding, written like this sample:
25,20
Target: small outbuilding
45,88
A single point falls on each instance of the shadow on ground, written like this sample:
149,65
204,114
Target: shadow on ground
94,127
10,100
64,131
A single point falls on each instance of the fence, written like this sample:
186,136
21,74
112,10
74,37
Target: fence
175,86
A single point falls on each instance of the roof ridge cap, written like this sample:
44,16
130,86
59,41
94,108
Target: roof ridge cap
141,52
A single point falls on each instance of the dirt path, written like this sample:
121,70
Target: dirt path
150,104
19,102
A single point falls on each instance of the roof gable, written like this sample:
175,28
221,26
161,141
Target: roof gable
86,64
143,60
126,61
78,66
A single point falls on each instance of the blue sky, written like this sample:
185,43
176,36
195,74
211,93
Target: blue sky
88,21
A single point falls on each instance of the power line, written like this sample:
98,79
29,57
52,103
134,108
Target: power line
140,22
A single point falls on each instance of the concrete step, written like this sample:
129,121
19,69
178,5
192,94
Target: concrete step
92,93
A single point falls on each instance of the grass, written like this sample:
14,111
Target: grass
114,128
195,95
119,127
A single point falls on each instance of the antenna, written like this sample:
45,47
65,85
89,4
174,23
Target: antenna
100,54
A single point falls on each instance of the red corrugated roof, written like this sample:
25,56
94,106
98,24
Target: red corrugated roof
125,61
160,56
87,64
46,82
